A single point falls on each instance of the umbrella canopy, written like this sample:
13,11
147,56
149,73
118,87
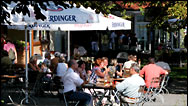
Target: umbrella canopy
117,23
111,22
55,15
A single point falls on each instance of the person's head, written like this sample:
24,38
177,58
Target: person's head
134,58
62,58
114,62
98,62
57,54
134,69
105,61
151,60
73,64
33,59
47,55
130,57
81,64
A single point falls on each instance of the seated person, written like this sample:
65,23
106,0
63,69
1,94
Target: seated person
45,69
161,63
96,71
47,60
151,71
54,62
61,68
129,87
127,65
33,69
81,70
71,80
118,68
32,65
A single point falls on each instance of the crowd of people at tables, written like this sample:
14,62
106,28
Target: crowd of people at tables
75,73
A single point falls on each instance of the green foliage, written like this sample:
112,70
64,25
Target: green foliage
163,11
177,72
160,11
19,45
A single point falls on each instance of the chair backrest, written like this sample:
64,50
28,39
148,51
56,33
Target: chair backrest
57,82
60,86
142,91
155,81
163,83
166,78
159,81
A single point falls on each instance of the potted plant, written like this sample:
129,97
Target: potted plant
20,48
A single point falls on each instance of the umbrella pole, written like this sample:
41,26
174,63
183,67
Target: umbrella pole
68,45
26,99
26,66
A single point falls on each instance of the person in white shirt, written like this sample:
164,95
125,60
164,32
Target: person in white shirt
71,80
61,69
127,66
130,86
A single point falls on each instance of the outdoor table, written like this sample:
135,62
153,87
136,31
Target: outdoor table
107,89
10,86
9,78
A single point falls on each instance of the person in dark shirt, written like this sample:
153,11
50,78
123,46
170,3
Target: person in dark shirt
133,42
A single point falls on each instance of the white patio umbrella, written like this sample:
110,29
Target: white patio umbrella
111,22
55,15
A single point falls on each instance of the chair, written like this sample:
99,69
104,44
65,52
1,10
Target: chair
59,86
165,79
137,101
153,93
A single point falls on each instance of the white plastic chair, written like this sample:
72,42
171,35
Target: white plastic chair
153,93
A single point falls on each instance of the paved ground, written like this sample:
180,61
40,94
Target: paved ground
169,100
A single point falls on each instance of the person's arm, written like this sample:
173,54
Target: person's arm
80,73
141,73
99,73
122,86
77,80
163,71
32,67
37,67
120,72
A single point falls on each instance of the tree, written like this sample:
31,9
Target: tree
159,11
22,7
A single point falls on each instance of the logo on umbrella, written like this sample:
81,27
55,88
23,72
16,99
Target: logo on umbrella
54,8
